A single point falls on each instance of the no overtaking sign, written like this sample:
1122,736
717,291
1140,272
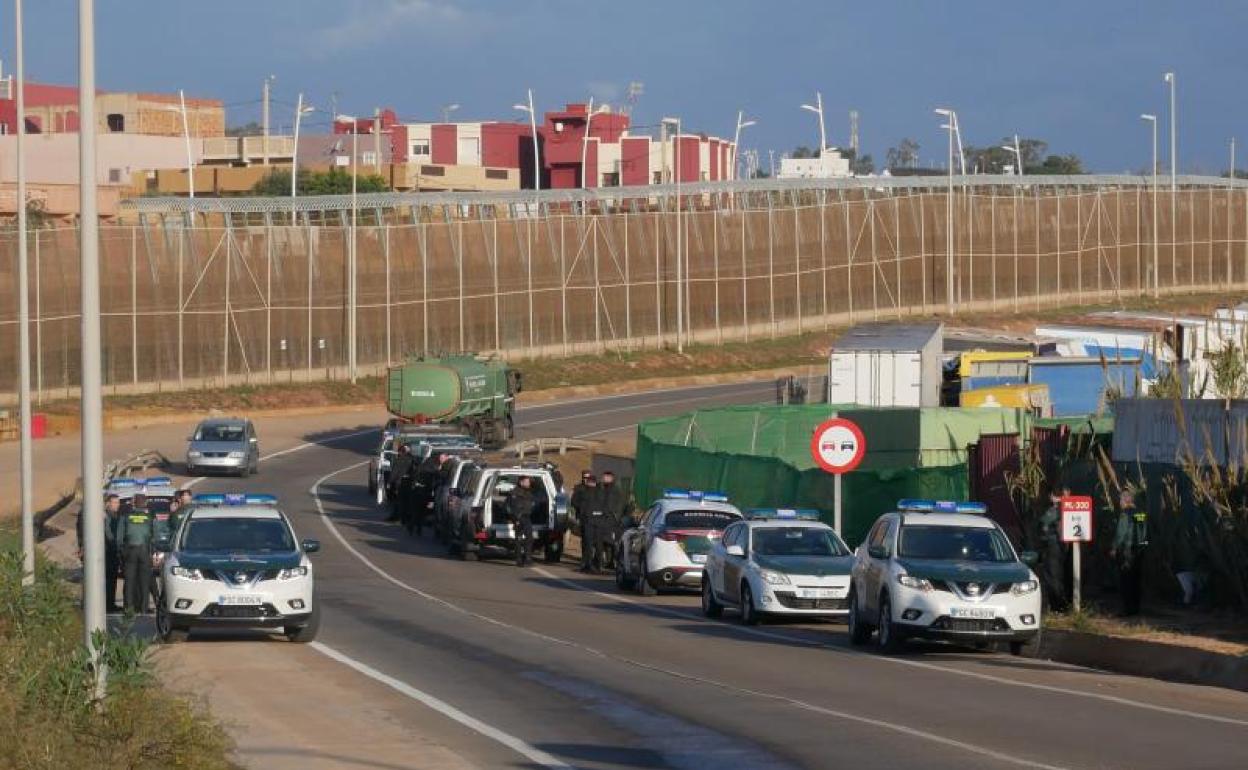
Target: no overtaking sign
838,445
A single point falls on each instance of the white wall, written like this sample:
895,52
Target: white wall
53,158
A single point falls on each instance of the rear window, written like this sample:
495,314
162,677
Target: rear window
699,519
954,543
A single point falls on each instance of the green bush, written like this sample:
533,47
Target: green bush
48,717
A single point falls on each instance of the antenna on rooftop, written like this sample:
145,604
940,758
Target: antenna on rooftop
853,131
635,89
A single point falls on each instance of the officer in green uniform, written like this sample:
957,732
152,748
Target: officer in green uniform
1130,543
135,532
1053,554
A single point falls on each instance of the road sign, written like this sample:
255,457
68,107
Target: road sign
838,446
1076,519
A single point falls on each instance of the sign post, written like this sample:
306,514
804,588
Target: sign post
1076,530
837,447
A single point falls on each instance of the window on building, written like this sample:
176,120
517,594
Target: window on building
114,176
420,147
368,158
611,179
116,122
658,177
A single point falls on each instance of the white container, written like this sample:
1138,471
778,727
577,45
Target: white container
880,364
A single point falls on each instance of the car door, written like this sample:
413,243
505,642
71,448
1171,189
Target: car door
877,565
714,570
734,566
866,568
649,530
629,542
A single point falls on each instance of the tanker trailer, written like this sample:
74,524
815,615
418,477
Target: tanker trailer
475,393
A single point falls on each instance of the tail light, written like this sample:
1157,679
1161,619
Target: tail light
670,537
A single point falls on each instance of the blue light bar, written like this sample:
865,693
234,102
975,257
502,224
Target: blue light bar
209,499
233,498
695,494
123,483
158,481
914,505
261,499
784,514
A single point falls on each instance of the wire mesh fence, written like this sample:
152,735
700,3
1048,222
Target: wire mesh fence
203,301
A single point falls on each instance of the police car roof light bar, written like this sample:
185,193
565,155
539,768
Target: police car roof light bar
122,483
790,514
157,481
917,505
214,498
695,494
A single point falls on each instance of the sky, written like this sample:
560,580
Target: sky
1075,74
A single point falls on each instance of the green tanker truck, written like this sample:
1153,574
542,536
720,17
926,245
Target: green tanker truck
476,393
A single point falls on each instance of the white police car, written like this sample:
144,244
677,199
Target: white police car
669,547
234,561
778,562
941,570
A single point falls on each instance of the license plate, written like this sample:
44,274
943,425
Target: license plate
241,600
697,558
821,593
975,613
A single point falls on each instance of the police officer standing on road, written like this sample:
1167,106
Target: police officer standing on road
520,504
397,487
1053,553
1130,543
426,488
135,530
614,507
112,506
583,504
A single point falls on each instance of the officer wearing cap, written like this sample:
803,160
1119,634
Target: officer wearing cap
582,503
520,505
614,506
1129,546
112,508
135,531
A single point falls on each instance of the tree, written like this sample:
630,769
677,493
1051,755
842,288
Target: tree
904,155
1059,164
335,181
864,165
803,151
247,129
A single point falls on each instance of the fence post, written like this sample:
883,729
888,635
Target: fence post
593,234
1079,244
268,297
992,245
719,332
897,247
181,301
309,336
875,262
498,334
1037,293
823,253
459,264
1057,198
1016,228
225,327
385,230
923,247
849,261
970,247
424,285
628,284
1139,244
658,275
797,258
771,261
38,323
529,273
745,275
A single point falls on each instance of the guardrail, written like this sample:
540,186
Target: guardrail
540,446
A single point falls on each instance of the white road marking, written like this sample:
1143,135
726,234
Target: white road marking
525,750
776,636
881,724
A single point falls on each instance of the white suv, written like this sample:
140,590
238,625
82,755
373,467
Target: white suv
941,570
234,561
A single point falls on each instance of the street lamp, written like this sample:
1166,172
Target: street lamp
1174,183
186,134
585,143
537,169
447,110
1152,120
1018,155
25,451
817,108
680,291
949,124
301,109
352,285
736,138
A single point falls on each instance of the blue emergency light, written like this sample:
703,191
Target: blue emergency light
123,483
158,481
784,514
914,505
695,494
233,498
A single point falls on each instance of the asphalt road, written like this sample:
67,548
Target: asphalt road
543,667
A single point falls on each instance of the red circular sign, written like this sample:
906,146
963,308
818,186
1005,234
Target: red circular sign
838,445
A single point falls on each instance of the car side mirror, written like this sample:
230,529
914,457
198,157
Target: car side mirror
310,546
1030,558
735,550
877,552
254,439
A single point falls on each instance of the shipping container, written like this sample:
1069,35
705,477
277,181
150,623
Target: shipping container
989,369
1077,385
879,364
1034,397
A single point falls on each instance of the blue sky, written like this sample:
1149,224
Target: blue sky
1076,74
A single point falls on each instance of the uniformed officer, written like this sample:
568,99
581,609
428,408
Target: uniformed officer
426,486
134,541
112,506
520,504
584,506
1130,543
183,498
397,486
614,507
1053,553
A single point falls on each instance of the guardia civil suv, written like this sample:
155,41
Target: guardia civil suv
941,570
234,561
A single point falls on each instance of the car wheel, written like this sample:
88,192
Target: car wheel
622,580
244,471
710,607
554,552
644,586
168,631
888,638
749,612
307,632
859,631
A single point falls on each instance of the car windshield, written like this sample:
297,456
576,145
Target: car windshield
954,544
238,534
699,519
797,541
232,433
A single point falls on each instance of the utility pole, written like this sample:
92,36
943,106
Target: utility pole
92,409
1232,157
26,461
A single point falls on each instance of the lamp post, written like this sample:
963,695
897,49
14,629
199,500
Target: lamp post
352,284
949,124
585,143
1174,174
817,108
537,169
1152,120
26,460
266,91
301,109
1018,155
680,290
736,138
447,109
186,135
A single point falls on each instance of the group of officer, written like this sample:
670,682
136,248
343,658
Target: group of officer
601,509
412,487
131,530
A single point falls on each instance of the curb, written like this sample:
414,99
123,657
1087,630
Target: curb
1139,657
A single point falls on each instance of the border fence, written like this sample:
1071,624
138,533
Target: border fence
208,292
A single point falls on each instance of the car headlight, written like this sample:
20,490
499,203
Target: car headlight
237,455
775,578
918,584
194,453
188,573
292,573
1024,587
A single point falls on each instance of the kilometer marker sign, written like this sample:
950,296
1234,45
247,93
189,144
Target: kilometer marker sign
838,445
